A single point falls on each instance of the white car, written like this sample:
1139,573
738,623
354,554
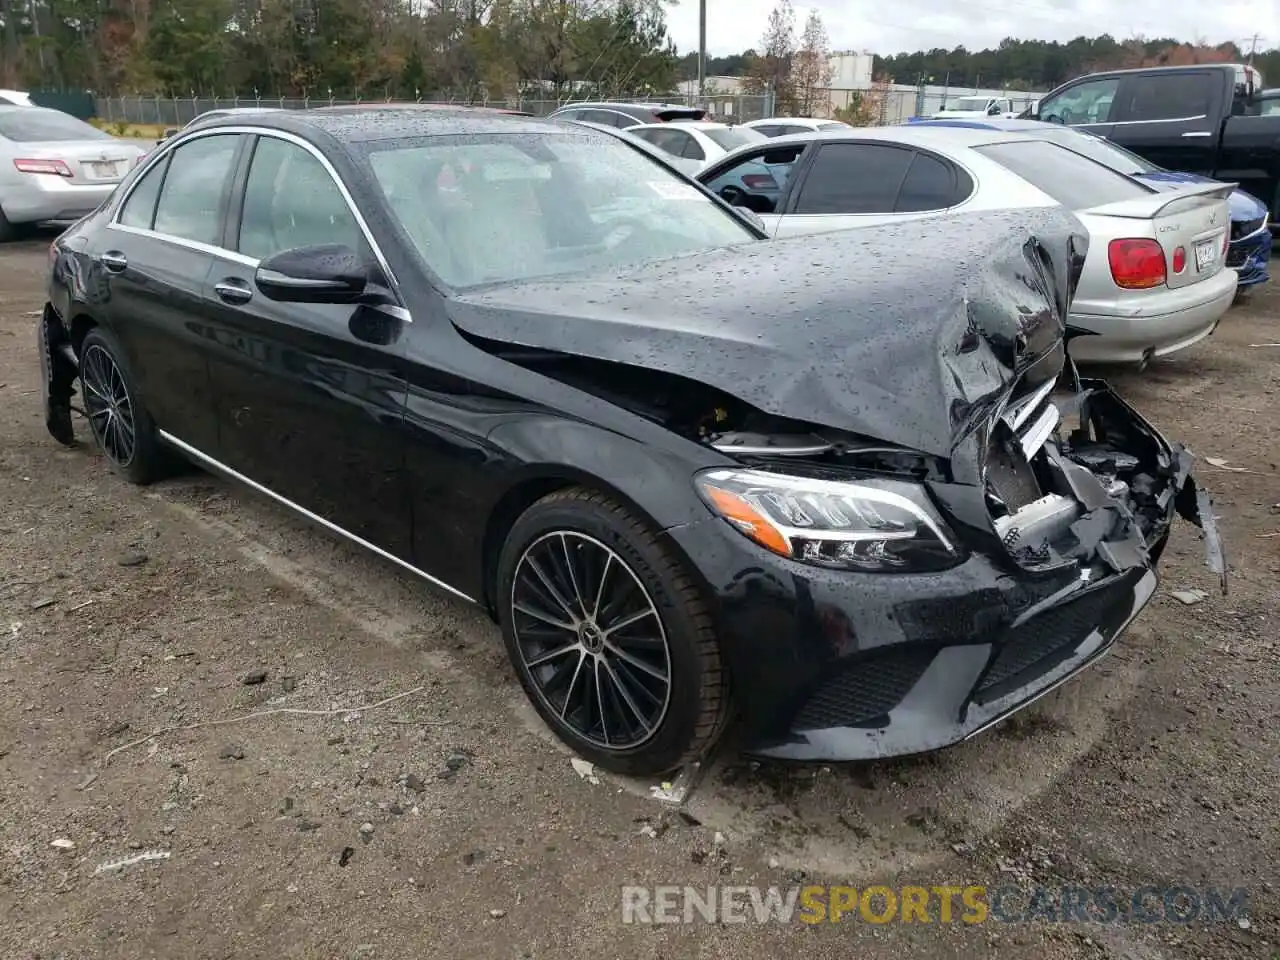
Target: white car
699,140
978,107
783,126
55,168
1153,282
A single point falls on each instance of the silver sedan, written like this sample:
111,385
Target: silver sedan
1154,280
54,167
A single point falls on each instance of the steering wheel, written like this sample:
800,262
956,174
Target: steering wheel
734,196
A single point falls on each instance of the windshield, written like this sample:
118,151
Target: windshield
970,103
506,207
1103,151
733,137
32,124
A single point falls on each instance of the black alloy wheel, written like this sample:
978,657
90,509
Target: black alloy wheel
108,405
590,636
121,424
609,637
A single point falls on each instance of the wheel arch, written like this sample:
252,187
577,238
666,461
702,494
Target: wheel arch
534,484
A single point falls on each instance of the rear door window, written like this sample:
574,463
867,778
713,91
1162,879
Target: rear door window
140,209
195,187
1075,181
1167,96
854,178
930,184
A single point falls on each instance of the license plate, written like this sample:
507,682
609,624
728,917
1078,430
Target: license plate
1206,253
103,171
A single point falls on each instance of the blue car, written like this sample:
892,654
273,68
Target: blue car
1249,253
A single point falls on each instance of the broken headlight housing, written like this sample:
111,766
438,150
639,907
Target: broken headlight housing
868,524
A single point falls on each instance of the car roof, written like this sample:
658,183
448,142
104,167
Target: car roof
1006,124
579,104
359,124
940,137
688,124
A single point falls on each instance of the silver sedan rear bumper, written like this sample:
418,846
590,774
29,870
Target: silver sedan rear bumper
1165,322
43,197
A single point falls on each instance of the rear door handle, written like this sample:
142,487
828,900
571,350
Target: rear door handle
233,291
114,260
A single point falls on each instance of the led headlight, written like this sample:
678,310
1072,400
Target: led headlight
871,525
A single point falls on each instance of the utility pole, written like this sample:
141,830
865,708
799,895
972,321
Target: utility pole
1253,47
702,48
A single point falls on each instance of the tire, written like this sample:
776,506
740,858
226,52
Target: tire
8,231
608,543
144,461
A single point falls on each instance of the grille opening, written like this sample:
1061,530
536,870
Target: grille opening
1042,643
864,691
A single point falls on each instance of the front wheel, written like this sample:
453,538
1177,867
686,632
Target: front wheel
609,636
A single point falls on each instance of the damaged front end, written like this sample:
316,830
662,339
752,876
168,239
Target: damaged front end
922,519
1079,477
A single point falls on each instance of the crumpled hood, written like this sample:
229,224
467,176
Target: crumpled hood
1243,206
860,330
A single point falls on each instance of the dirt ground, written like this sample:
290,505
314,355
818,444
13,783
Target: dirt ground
447,823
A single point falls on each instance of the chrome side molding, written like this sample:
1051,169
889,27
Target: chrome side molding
222,468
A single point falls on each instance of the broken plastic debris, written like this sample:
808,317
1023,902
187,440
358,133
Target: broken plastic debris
115,866
585,769
1190,597
63,844
677,790
1222,465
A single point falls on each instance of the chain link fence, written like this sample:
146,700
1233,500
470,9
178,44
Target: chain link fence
179,111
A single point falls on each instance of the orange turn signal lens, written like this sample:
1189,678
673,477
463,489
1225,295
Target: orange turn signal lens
748,519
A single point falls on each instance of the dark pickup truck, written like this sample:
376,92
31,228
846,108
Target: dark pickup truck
1206,119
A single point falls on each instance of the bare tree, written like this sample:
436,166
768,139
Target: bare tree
771,68
811,68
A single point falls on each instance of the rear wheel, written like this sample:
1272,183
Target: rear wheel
609,636
121,425
8,231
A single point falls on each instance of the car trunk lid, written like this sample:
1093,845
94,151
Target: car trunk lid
1195,219
89,161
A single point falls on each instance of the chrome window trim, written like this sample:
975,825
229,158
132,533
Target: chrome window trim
195,245
251,130
315,517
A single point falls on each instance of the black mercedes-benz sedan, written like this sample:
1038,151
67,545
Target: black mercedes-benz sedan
855,497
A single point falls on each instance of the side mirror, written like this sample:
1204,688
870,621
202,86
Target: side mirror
327,273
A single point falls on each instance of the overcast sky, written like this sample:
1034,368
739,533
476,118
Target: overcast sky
882,27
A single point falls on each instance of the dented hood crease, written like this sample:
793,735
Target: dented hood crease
854,330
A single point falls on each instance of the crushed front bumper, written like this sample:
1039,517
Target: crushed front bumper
832,665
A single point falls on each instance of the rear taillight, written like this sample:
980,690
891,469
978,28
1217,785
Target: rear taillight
1179,259
56,168
1136,264
759,181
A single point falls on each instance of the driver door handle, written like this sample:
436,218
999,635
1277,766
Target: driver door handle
233,291
114,260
